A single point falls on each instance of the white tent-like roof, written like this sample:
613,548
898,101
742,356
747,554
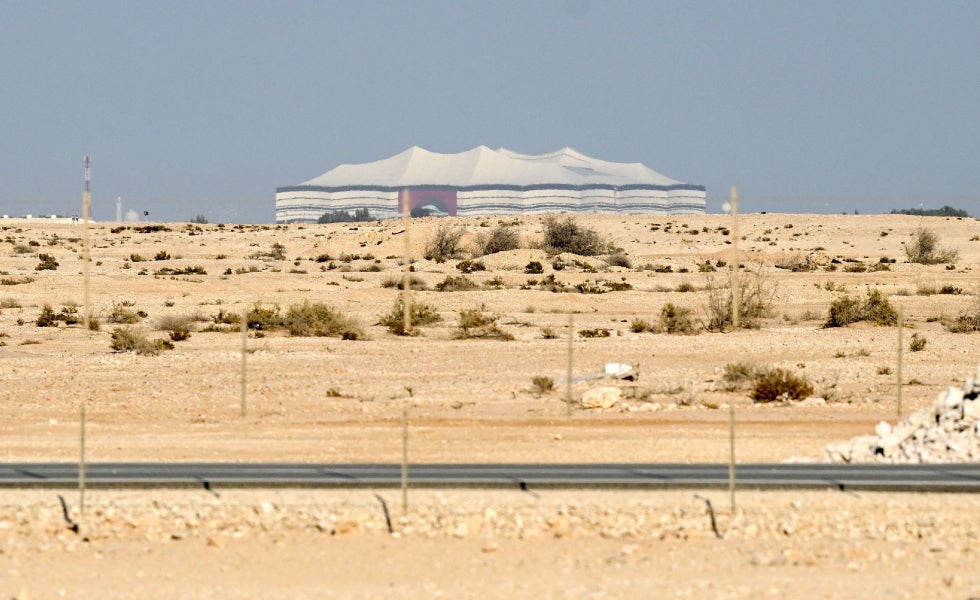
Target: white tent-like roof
482,181
482,166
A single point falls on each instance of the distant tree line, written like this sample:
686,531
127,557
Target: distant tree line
946,211
343,216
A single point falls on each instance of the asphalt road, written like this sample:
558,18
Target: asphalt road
945,477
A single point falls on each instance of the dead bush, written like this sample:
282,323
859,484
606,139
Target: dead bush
444,244
756,298
500,239
924,248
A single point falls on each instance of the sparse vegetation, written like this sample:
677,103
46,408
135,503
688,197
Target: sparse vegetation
500,239
47,263
924,248
534,268
740,375
874,308
456,283
966,322
444,244
478,323
917,344
542,384
123,313
778,384
125,339
320,320
677,320
470,266
420,314
755,301
563,234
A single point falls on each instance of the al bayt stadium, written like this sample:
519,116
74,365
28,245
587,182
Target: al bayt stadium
483,181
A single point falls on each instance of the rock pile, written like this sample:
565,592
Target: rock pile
947,432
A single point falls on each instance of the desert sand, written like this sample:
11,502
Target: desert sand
326,399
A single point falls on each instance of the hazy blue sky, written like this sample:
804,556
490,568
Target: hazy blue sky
206,107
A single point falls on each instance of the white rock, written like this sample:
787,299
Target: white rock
883,429
603,397
952,398
971,410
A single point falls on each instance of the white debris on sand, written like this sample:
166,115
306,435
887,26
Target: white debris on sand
947,432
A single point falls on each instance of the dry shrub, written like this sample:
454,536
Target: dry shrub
565,235
420,314
500,239
125,339
398,281
677,320
619,259
456,283
756,297
780,385
478,323
966,322
320,320
739,375
924,248
444,244
875,308
542,384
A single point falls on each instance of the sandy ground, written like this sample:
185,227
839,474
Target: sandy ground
327,399
478,544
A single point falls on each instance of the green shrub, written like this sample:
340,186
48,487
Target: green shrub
47,317
534,268
843,311
875,308
500,239
565,235
924,249
597,332
319,320
779,384
260,318
420,314
48,263
478,323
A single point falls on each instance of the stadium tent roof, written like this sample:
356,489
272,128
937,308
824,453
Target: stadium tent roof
483,166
